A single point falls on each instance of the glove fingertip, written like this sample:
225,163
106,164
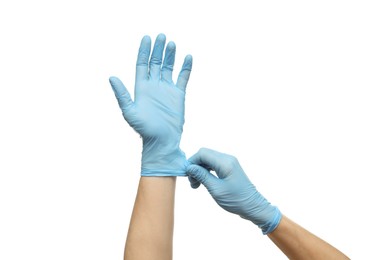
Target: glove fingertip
114,80
189,60
193,182
146,39
195,185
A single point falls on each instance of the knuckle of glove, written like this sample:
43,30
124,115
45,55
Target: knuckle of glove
230,162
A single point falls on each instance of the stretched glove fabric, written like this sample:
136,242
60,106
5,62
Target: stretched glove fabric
232,189
157,112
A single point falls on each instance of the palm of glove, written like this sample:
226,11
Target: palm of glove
157,113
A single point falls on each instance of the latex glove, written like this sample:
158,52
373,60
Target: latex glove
232,189
157,112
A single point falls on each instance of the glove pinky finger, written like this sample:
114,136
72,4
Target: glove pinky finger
185,73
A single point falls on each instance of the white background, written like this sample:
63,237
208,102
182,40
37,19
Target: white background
298,91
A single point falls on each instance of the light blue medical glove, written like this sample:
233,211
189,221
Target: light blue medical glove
232,189
157,112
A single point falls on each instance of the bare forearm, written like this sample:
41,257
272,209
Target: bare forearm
298,243
151,227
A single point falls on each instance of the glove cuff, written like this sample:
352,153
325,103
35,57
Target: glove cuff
162,162
273,223
161,173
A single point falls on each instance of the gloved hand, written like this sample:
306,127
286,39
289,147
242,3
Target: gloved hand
232,189
157,112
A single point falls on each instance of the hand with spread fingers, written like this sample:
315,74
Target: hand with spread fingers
157,111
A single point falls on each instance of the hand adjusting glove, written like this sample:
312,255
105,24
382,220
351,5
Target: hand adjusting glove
157,112
232,189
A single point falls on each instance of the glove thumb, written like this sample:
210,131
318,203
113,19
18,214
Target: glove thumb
121,94
199,174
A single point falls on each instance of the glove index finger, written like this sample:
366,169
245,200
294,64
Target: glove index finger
185,73
201,175
142,69
209,159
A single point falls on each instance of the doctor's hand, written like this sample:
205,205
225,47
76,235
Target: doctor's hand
157,111
231,188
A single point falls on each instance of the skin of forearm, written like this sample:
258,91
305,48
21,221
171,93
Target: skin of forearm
150,233
298,243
